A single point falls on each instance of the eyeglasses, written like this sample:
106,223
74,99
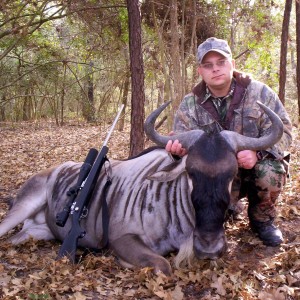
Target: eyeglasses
210,66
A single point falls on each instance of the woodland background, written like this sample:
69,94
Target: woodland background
79,60
66,66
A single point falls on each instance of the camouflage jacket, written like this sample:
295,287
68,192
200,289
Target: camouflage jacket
243,115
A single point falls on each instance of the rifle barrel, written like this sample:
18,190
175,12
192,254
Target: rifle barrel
113,125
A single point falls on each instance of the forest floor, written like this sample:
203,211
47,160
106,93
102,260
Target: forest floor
249,270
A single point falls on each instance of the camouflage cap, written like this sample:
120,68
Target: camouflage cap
213,44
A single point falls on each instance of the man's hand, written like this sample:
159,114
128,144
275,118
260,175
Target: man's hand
175,148
246,159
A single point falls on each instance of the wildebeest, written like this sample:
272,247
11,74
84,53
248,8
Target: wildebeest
157,204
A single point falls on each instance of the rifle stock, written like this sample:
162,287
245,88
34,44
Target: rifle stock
70,243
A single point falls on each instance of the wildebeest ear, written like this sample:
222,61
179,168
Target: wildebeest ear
170,171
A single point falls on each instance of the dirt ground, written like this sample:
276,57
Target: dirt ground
249,270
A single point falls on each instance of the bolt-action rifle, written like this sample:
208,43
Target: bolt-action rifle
80,196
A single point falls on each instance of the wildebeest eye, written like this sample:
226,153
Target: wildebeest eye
192,171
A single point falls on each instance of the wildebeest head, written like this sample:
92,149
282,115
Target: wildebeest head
212,165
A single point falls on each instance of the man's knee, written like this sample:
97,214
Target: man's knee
270,175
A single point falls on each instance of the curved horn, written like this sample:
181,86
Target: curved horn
186,138
240,142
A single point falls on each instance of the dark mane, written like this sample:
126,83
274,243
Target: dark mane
145,151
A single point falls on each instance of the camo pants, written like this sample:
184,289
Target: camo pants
262,186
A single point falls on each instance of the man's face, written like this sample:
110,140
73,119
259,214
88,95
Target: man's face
216,70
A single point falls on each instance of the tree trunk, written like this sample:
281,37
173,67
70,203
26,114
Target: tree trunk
175,55
90,93
63,94
164,86
298,53
124,101
137,78
26,109
182,47
294,65
283,52
193,46
88,104
2,108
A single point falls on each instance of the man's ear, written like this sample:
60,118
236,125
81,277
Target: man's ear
233,63
199,69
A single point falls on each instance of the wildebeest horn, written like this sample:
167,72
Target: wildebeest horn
186,138
237,141
240,142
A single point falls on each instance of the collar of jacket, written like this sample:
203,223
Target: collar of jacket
242,82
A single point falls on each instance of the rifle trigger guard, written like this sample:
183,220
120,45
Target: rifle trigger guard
108,169
85,212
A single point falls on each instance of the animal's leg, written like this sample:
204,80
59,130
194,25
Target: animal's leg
132,251
30,201
35,228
